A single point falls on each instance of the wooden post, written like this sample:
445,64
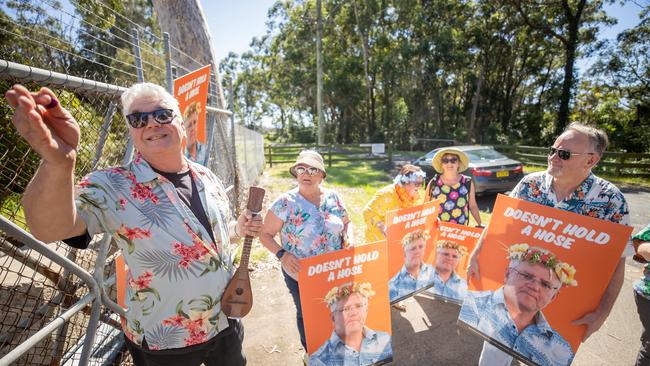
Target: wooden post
620,165
329,157
270,157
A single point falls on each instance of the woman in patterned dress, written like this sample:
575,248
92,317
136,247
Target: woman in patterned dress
456,190
310,219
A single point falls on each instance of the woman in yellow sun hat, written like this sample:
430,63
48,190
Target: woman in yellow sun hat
455,190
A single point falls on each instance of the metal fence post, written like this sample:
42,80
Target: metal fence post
108,119
168,64
232,137
128,153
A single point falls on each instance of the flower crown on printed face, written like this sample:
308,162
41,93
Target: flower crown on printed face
415,235
535,255
344,291
448,244
412,177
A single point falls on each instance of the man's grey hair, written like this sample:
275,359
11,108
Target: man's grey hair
598,137
148,91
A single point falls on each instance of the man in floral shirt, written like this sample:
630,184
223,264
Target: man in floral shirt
170,217
569,184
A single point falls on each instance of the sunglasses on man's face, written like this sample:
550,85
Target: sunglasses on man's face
564,154
140,119
310,170
449,160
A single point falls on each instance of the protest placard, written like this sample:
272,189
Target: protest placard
450,258
191,91
541,268
411,236
344,299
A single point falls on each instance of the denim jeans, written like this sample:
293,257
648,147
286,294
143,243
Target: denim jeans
292,285
643,308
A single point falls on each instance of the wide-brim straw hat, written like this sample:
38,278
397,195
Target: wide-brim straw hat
463,160
310,158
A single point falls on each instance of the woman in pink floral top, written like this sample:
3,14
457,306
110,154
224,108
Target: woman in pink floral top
310,219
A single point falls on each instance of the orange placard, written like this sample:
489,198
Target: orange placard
411,240
343,293
450,259
549,263
191,91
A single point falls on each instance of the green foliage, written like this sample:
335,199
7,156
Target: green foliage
479,71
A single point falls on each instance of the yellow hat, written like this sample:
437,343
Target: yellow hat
310,158
463,160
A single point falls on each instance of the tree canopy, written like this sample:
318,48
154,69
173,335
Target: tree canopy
475,71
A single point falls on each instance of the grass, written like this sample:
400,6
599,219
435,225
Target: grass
356,182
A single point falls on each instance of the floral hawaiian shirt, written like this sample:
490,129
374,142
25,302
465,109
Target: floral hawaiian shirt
404,284
454,289
595,197
375,347
309,230
487,312
176,274
642,287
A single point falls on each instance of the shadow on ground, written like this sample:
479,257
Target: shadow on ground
427,334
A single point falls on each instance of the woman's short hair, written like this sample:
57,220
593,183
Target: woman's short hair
147,91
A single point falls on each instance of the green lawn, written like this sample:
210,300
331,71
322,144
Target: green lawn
356,182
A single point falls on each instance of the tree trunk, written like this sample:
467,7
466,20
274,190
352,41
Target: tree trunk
567,84
472,118
188,31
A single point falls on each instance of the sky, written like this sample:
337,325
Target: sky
234,23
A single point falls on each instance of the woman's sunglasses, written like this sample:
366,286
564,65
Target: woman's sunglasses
449,160
564,154
301,170
140,119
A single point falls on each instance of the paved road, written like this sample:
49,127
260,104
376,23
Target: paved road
427,334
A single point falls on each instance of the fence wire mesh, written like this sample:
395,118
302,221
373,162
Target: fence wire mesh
91,40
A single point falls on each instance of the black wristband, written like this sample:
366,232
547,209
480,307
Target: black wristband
280,253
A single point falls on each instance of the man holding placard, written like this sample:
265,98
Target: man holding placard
568,184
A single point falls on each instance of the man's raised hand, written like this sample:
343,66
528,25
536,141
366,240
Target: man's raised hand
46,126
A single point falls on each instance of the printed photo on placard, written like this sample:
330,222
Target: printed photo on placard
450,259
411,236
191,91
345,308
541,269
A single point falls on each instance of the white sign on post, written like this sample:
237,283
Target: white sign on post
378,149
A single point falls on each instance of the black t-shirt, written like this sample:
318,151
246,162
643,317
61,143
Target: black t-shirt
187,192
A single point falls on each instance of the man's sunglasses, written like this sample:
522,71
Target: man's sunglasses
449,160
564,154
140,119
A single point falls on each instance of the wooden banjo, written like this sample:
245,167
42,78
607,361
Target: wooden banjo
237,299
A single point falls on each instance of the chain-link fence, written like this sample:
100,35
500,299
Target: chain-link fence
49,300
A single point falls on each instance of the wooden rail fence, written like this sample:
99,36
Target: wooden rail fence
619,163
281,154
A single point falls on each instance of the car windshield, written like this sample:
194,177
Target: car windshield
484,154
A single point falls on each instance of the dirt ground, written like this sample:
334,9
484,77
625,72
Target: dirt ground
427,334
